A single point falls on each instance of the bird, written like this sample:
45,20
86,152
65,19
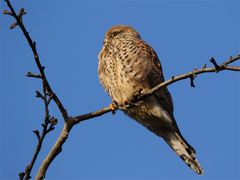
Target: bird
127,66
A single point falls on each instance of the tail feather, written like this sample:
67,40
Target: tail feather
183,150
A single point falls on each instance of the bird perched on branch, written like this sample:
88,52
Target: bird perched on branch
127,66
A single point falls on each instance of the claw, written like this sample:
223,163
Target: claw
113,106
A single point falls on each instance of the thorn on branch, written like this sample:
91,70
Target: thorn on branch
36,132
217,67
39,95
204,66
29,74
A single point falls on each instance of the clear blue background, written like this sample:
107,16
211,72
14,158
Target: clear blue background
69,35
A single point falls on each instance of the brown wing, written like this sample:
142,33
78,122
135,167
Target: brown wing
156,77
163,96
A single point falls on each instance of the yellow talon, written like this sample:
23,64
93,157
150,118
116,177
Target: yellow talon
112,106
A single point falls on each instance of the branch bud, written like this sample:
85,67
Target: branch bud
38,94
36,132
213,61
6,12
21,175
53,121
13,25
29,74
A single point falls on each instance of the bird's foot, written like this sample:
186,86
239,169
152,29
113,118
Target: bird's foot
126,105
137,94
113,106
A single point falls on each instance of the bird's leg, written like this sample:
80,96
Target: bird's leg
131,102
137,95
127,104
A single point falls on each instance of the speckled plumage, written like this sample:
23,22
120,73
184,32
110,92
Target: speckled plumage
128,65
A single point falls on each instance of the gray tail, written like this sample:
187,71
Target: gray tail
183,150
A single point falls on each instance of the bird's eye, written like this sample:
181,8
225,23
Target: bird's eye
114,34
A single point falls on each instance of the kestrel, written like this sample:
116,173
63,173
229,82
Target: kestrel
127,66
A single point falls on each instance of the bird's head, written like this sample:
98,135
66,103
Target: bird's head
121,31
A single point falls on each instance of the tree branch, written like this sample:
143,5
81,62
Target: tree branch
195,72
56,149
47,126
77,119
70,122
32,45
192,75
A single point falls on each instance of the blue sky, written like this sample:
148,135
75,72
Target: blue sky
69,35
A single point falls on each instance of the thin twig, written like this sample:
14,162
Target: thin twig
189,74
29,74
47,126
32,44
56,149
80,118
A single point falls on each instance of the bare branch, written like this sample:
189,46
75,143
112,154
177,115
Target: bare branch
91,115
222,67
47,90
32,44
56,149
232,68
192,75
48,125
29,74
